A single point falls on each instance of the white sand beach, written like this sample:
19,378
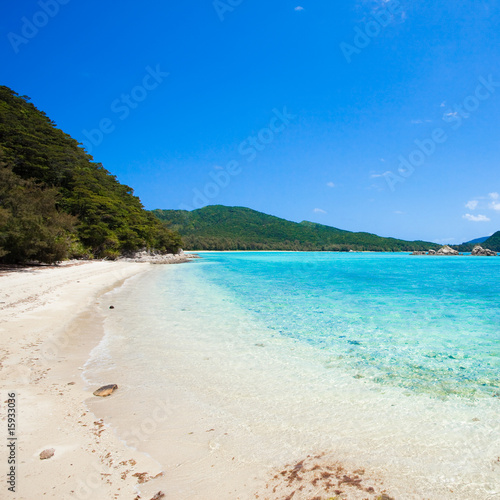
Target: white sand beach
222,412
42,354
49,325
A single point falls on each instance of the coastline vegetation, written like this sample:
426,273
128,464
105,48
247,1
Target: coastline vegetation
57,203
492,243
218,227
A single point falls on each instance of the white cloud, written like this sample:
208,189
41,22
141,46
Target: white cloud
330,184
218,167
376,176
472,204
482,203
476,218
417,122
398,212
299,8
319,211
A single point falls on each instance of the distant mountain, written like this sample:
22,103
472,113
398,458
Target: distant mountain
493,242
477,241
218,227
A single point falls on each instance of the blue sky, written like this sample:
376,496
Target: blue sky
378,116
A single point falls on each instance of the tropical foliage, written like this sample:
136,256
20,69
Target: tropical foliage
56,202
219,227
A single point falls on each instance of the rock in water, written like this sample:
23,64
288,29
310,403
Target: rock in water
49,453
105,390
483,252
446,250
431,252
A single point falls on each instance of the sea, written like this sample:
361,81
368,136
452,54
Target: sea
239,363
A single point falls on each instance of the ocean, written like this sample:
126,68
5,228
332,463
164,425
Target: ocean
238,363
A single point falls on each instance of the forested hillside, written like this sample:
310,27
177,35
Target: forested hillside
219,227
493,242
55,202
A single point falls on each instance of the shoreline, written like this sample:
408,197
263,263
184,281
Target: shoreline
232,412
48,328
251,412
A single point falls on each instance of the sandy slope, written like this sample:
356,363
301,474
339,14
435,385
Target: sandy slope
42,351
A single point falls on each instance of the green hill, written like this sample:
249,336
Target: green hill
55,202
236,228
493,242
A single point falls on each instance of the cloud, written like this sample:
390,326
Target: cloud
472,204
376,176
482,203
443,104
398,212
419,122
319,211
330,184
476,218
299,8
217,167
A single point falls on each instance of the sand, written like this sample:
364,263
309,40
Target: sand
49,324
43,349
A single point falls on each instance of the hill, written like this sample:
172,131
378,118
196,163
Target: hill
493,242
56,202
477,241
219,227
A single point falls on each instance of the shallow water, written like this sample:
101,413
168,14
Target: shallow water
252,360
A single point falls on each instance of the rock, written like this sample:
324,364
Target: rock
483,252
111,307
446,250
49,453
105,390
431,252
418,252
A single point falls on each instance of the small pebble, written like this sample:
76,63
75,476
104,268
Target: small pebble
45,454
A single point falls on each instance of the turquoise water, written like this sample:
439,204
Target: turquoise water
426,324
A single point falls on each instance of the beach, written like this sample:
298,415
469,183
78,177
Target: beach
213,403
51,322
43,351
